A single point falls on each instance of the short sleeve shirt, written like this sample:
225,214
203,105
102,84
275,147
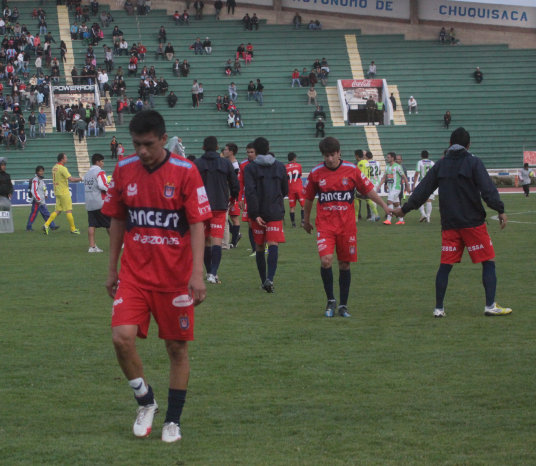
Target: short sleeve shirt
60,179
158,205
423,166
294,173
393,175
335,188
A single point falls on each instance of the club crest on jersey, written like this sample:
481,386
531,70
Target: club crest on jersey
184,322
322,183
352,250
344,181
169,190
132,189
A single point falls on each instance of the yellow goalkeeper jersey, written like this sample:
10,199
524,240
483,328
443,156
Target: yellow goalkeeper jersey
60,178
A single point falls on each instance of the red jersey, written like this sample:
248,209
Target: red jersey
241,194
294,173
158,206
335,188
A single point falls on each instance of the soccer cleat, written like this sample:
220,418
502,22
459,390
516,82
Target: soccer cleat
213,279
171,432
268,286
253,254
343,311
55,227
423,219
293,224
238,238
76,231
496,310
95,249
387,222
401,222
427,219
46,230
330,308
144,420
439,312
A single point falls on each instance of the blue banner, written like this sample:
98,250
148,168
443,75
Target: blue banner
20,193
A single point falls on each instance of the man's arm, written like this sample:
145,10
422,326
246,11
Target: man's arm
196,286
117,231
307,226
74,179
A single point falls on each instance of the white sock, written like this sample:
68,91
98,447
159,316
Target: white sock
421,210
139,386
428,209
390,207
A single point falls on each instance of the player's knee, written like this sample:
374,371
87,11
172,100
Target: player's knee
326,261
122,341
177,350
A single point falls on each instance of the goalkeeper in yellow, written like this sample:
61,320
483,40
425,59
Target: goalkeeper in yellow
60,179
364,167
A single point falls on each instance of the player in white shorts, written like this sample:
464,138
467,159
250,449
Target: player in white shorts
423,166
394,176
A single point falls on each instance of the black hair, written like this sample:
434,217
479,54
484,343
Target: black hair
232,147
329,145
460,136
424,154
261,146
96,158
210,143
292,156
148,121
39,167
369,155
60,156
359,153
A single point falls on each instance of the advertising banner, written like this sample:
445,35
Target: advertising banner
398,9
20,193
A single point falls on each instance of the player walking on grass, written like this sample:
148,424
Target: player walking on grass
60,179
38,194
229,152
334,181
295,187
221,184
251,155
157,203
462,180
394,176
421,170
266,185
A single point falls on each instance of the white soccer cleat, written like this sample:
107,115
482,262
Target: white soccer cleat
213,279
144,420
171,432
439,313
497,310
95,249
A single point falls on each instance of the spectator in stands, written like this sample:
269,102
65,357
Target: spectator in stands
228,67
176,68
371,70
123,47
42,120
169,51
297,21
113,147
106,18
478,75
201,93
160,51
117,33
447,119
240,51
129,7
259,90
319,113
132,66
246,21
197,46
219,103
231,119
251,90
412,105
207,45
296,77
319,128
185,68
238,120
108,109
218,5
162,86
255,22
452,37
92,127
233,92
231,5
162,36
195,94
32,121
81,127
442,35
172,99
225,102
393,102
371,110
21,139
249,49
198,7
185,18
311,96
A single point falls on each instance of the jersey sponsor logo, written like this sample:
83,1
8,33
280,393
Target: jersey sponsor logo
335,207
216,226
155,239
336,196
184,322
273,229
258,232
143,217
202,197
182,300
169,190
475,247
132,189
322,182
449,248
204,210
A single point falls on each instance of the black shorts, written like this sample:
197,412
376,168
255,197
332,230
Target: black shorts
97,219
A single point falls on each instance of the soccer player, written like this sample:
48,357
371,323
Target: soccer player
295,187
60,179
394,176
95,188
250,151
362,164
38,192
462,180
158,205
221,183
229,152
374,175
335,181
266,185
421,170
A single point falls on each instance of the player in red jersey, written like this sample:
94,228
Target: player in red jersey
251,156
295,187
334,181
158,205
229,152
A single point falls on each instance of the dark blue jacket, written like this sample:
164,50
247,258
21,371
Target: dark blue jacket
462,180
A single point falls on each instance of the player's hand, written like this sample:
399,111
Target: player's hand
308,227
241,205
503,220
197,288
111,284
397,212
260,221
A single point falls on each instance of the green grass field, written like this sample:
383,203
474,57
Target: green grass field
273,382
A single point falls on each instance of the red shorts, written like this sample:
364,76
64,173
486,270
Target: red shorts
272,232
476,239
346,245
173,311
234,209
245,217
295,196
215,226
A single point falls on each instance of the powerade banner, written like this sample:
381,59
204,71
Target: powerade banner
481,13
385,8
20,193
